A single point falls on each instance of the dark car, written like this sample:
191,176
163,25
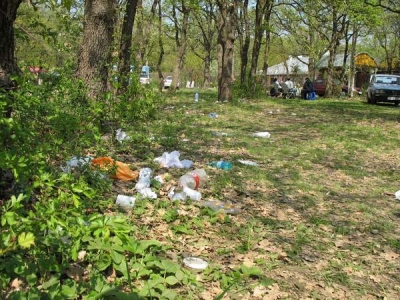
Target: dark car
384,88
320,87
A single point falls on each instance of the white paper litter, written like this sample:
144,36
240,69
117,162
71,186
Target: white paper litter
171,160
397,195
248,162
144,179
195,263
148,193
262,134
121,135
125,202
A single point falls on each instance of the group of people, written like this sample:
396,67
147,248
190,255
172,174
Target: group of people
277,90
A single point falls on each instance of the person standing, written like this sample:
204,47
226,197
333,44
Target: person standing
289,83
308,87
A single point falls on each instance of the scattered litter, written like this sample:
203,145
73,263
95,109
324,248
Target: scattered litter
121,135
126,202
219,133
144,179
160,179
195,263
192,194
76,162
397,195
293,114
148,193
262,134
193,179
248,162
171,160
220,206
122,171
213,115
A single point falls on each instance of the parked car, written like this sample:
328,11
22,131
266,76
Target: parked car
320,87
384,88
145,78
168,82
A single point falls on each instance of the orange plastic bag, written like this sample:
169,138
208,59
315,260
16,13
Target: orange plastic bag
122,171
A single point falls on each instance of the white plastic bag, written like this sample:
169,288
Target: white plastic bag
397,195
171,160
121,135
265,134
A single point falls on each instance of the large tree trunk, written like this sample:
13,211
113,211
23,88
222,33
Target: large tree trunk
226,38
180,42
161,45
8,64
95,52
244,36
125,45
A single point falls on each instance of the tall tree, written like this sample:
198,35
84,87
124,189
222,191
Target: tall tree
95,53
206,23
244,37
180,16
226,39
8,64
125,44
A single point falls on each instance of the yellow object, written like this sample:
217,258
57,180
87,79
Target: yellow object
122,171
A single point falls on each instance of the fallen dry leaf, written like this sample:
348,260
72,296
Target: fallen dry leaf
17,284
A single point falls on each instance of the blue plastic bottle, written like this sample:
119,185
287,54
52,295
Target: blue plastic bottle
224,165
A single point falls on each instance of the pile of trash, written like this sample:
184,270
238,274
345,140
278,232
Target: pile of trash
187,186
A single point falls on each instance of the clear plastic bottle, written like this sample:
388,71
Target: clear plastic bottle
224,165
193,179
196,97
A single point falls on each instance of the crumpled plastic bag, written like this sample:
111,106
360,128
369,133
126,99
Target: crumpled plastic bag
148,193
263,134
171,160
121,135
122,172
76,162
144,179
397,195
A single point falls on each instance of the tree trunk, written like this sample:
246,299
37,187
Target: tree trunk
244,36
95,53
161,45
8,64
125,45
180,42
258,33
226,38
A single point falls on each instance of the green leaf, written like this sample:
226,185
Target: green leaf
9,218
69,291
168,294
52,281
117,257
251,271
171,280
169,266
103,262
31,279
25,240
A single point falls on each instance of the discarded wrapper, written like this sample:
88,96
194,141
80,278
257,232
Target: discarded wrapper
195,263
122,171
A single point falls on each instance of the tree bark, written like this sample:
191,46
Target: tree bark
8,64
95,53
125,45
226,38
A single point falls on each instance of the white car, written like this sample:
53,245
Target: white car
145,78
168,82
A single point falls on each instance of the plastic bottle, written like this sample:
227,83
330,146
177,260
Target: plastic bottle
224,165
193,179
196,97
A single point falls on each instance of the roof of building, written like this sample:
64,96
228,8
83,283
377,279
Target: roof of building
293,65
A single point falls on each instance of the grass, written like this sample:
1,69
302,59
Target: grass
316,217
